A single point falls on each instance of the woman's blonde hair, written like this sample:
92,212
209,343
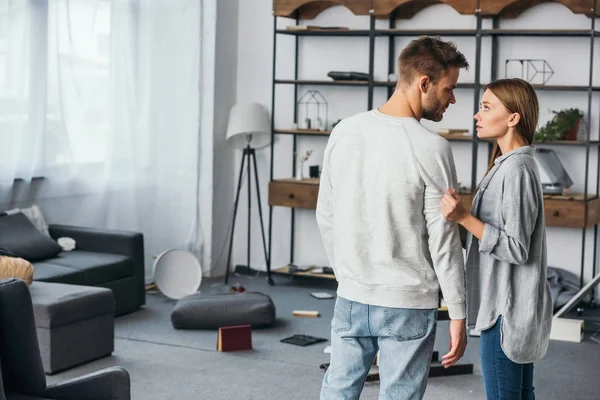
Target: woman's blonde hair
517,96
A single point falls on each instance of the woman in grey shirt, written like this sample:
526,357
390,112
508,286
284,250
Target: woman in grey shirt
508,297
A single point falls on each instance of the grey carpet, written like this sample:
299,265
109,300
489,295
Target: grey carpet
165,363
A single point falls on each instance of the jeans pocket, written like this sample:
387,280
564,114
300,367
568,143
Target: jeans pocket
342,315
407,323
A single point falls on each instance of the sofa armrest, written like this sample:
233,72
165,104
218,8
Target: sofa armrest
110,383
130,244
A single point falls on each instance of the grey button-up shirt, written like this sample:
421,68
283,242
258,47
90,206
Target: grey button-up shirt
506,270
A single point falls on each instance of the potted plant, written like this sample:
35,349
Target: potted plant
563,126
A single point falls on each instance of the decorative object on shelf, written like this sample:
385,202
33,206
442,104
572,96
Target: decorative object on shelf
313,171
249,128
554,177
315,28
563,126
312,111
302,160
531,70
451,131
348,76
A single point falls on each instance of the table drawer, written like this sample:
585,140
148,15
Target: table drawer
564,212
571,213
290,194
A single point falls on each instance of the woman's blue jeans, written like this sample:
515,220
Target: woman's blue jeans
503,379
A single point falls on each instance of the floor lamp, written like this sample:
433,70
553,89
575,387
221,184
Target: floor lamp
249,128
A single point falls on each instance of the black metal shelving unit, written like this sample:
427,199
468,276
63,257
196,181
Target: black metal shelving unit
495,33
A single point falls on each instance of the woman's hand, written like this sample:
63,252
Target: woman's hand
452,207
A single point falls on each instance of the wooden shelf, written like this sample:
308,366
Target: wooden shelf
302,132
428,32
449,137
558,88
540,32
325,32
567,143
443,32
323,83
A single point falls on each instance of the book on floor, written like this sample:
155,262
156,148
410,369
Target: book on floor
322,295
302,340
234,338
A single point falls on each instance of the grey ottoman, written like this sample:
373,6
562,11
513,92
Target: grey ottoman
75,324
211,311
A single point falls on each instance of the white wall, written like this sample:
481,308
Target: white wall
225,97
569,57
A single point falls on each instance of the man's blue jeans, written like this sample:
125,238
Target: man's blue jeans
404,338
503,379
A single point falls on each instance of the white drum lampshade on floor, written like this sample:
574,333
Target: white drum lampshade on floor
177,273
249,128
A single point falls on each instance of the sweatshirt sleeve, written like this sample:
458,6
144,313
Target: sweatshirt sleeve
439,174
324,212
510,243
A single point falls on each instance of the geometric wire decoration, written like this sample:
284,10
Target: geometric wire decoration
531,69
313,111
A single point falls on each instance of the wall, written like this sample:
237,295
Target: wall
569,57
224,98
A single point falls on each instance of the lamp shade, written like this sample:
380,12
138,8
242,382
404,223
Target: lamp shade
248,121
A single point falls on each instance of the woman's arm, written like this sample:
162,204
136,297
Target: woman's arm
520,209
454,211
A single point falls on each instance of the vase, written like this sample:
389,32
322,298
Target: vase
299,172
573,132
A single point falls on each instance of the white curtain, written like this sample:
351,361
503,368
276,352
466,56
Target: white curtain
101,99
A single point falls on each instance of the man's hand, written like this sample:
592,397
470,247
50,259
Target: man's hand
458,342
452,207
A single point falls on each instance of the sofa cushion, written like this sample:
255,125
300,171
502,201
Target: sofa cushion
46,272
19,236
96,267
13,267
57,304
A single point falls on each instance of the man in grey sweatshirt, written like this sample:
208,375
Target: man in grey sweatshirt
387,241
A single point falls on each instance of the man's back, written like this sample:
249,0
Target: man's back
378,211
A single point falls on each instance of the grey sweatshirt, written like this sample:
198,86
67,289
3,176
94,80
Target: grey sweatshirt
506,270
379,214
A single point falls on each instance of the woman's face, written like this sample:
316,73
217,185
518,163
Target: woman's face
492,118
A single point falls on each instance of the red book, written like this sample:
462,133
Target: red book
234,338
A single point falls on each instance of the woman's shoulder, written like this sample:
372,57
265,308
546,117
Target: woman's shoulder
519,165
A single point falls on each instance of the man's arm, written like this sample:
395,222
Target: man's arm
324,211
438,174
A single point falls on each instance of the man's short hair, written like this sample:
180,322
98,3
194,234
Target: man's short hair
429,56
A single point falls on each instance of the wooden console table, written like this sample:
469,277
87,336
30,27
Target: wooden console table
560,211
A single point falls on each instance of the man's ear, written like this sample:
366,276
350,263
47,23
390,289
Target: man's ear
514,119
424,83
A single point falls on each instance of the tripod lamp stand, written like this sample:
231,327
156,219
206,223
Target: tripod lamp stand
249,128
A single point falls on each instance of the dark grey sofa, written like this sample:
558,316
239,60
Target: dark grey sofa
21,372
104,258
